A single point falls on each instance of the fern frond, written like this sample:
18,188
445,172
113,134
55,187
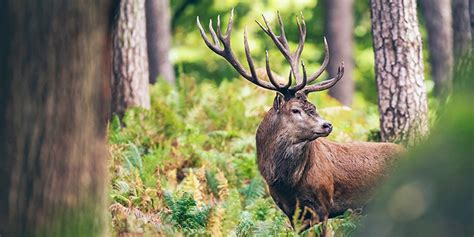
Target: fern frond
223,185
246,225
212,183
215,220
201,177
171,179
118,209
253,190
186,215
233,208
191,185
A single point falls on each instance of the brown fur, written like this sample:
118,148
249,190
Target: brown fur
322,175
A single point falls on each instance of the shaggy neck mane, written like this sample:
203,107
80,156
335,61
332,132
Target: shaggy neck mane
281,161
290,162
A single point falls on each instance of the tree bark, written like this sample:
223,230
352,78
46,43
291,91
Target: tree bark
399,71
471,13
339,26
54,62
130,59
462,37
158,22
440,34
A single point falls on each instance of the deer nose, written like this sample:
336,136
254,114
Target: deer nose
327,126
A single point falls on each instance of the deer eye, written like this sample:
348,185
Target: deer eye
295,111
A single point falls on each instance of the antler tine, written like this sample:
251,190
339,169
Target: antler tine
213,33
289,81
228,32
301,85
230,24
269,72
226,51
282,36
214,47
254,77
299,49
268,30
282,44
249,57
218,30
323,65
302,31
327,83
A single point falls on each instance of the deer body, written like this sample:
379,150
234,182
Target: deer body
299,165
326,176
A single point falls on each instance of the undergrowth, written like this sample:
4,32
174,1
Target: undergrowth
187,165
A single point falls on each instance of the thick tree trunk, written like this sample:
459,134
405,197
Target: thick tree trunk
339,26
130,58
54,63
462,37
439,26
399,71
158,25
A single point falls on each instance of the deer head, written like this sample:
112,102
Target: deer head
290,106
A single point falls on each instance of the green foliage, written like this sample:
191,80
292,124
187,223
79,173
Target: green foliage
246,225
253,190
188,164
186,215
374,136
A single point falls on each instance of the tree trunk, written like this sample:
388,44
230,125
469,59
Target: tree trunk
158,26
439,26
461,27
471,13
399,71
54,62
130,59
339,25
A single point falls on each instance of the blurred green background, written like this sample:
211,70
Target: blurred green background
191,56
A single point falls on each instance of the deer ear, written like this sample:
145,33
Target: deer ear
301,96
277,102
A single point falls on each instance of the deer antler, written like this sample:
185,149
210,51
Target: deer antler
326,84
226,51
282,44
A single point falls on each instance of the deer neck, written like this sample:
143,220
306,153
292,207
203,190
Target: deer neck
280,161
290,162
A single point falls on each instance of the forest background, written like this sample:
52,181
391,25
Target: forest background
134,79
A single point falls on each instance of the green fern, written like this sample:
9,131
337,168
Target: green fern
212,183
233,210
133,158
210,128
254,190
246,225
186,215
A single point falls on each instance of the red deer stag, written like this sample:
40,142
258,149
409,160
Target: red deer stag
300,167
